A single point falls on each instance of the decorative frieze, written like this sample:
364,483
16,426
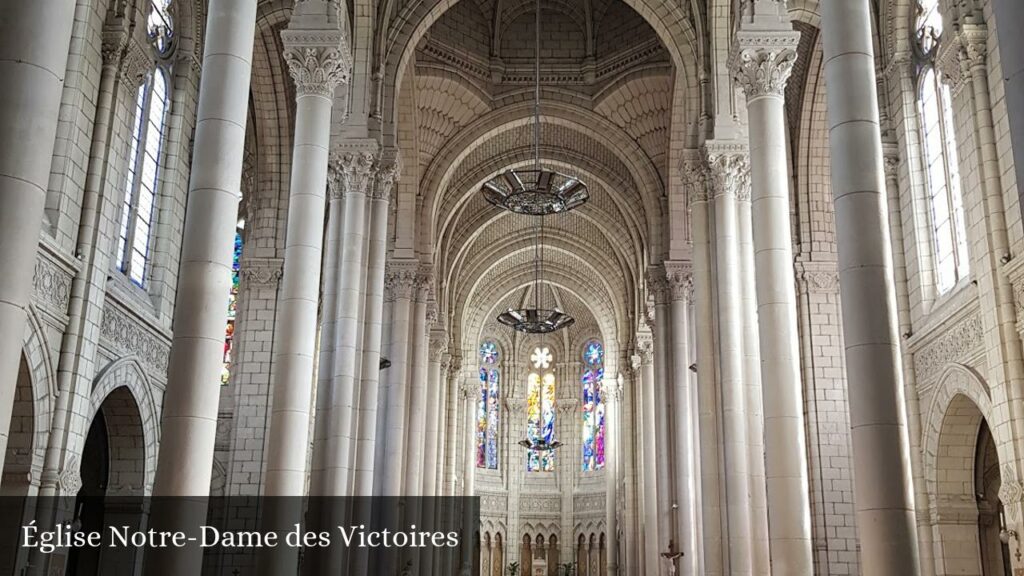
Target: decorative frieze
261,272
52,285
957,344
817,278
540,505
493,504
125,334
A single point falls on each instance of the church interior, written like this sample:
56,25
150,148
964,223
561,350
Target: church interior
695,287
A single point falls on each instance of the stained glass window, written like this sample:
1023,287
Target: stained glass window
144,152
488,408
593,407
941,165
229,331
540,411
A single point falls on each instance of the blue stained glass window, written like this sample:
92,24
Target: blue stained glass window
488,408
229,331
593,411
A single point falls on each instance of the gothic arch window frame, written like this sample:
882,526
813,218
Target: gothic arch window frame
488,406
941,163
540,408
592,406
145,160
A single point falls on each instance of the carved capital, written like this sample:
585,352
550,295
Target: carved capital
349,173
728,169
763,67
261,272
70,479
438,346
695,178
389,171
644,351
317,70
679,277
401,280
657,285
891,164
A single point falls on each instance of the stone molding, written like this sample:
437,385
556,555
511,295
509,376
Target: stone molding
125,333
317,70
261,272
52,285
958,343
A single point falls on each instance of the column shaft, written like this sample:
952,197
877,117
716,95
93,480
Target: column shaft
730,348
882,483
611,395
189,420
762,62
34,42
435,417
1009,17
397,389
755,406
645,367
416,435
295,328
663,336
683,448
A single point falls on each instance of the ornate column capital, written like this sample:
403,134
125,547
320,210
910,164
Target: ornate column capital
679,278
389,171
400,280
890,161
695,176
644,351
728,169
438,346
316,47
350,173
657,285
261,272
763,55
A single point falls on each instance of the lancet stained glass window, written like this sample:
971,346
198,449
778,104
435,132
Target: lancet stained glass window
593,406
941,164
229,331
488,408
540,411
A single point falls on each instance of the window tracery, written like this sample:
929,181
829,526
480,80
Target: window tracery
145,148
941,164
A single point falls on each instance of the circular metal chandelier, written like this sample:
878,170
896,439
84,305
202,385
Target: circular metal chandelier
535,320
535,192
538,193
539,445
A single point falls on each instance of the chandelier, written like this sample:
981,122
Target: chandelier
539,445
536,193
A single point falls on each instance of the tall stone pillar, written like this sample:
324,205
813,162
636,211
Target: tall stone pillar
351,174
34,42
664,456
762,61
189,421
882,481
401,280
435,415
643,367
416,435
317,67
1009,16
680,286
696,180
451,453
387,174
611,395
729,176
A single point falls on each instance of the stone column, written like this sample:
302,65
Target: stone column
366,441
34,42
611,395
695,174
451,453
318,59
663,335
643,366
435,419
762,61
189,421
882,482
729,175
401,280
761,559
416,433
680,287
350,174
1009,17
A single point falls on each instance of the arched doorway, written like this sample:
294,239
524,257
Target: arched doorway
15,483
113,473
968,517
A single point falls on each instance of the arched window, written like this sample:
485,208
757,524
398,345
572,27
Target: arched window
488,408
941,165
144,152
593,406
540,410
229,331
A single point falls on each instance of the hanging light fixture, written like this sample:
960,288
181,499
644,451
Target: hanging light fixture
538,193
535,192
